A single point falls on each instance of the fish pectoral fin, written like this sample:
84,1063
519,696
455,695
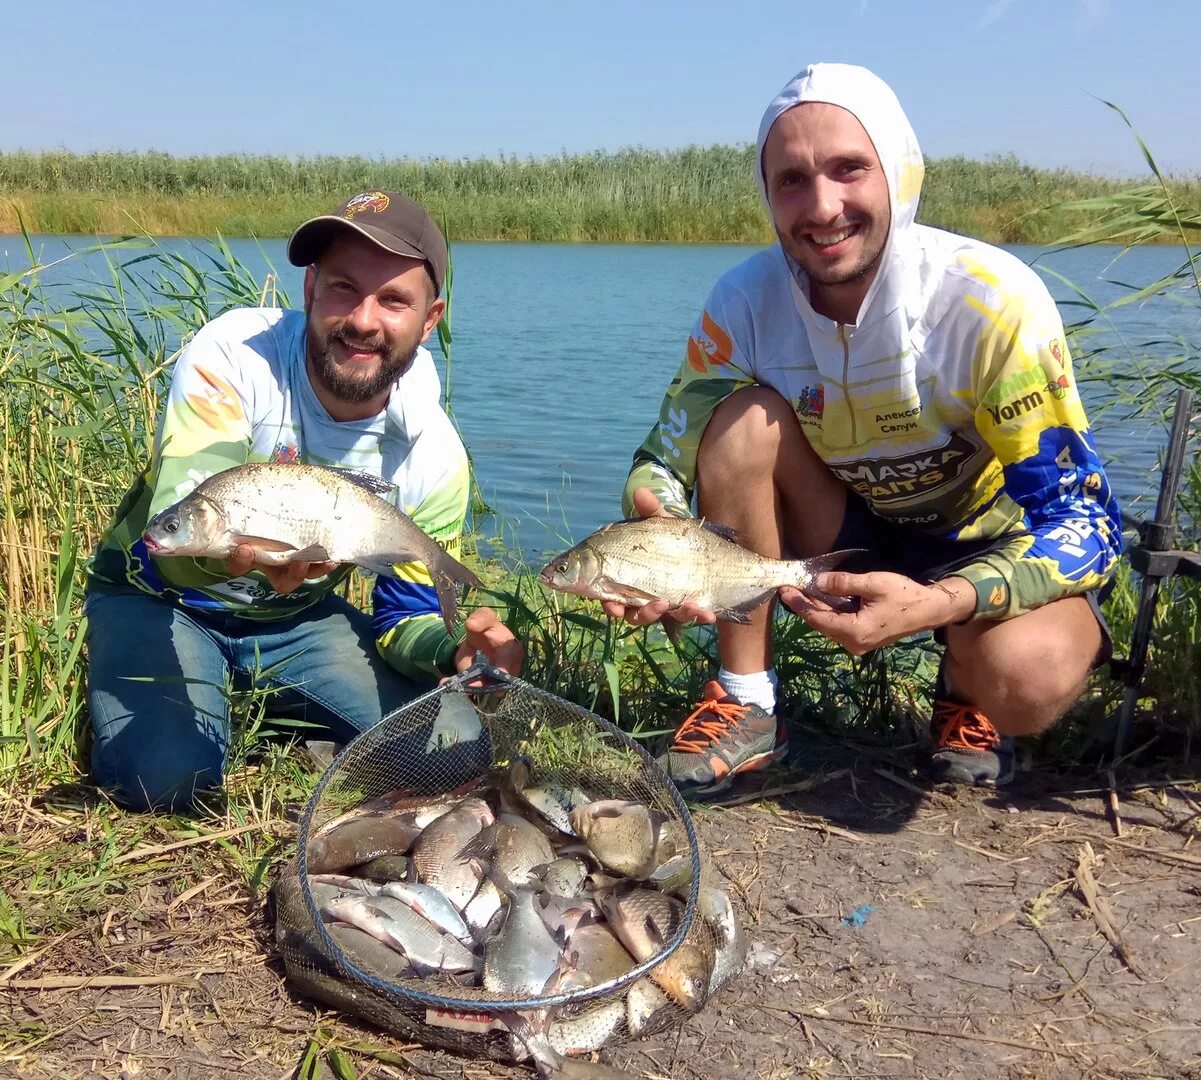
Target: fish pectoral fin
652,931
626,592
264,543
482,846
312,553
733,615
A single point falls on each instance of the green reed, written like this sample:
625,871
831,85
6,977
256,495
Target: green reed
693,194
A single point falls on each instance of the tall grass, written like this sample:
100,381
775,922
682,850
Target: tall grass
694,194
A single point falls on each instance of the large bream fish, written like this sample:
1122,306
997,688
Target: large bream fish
680,559
303,513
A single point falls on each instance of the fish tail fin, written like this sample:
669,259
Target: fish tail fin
808,569
448,599
452,568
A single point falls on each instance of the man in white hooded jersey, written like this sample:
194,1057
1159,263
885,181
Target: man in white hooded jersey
873,383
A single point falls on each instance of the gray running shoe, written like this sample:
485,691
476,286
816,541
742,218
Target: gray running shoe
720,739
970,750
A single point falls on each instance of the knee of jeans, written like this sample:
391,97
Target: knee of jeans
163,773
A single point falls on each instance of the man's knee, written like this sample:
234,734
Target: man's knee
1023,683
752,439
160,770
747,431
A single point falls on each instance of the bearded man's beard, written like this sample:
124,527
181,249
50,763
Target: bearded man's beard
352,383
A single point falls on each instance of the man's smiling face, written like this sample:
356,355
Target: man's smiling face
828,196
368,310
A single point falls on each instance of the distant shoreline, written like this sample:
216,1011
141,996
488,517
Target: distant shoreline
698,195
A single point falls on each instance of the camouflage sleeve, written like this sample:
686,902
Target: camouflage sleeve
409,631
715,365
1028,410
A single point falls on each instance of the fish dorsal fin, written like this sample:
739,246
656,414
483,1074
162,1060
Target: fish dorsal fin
724,531
367,481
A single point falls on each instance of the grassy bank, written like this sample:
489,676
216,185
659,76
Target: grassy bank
696,194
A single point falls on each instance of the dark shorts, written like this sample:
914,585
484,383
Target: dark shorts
902,550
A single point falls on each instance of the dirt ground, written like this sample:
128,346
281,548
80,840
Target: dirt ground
1027,934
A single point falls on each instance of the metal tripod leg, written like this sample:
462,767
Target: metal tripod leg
1157,538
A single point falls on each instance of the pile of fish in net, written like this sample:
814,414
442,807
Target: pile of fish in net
505,875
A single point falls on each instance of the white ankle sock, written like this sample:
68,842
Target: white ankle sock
757,688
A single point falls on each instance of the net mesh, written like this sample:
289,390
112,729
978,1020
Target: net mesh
456,741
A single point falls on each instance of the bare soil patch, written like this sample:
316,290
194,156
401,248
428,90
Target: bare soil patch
897,932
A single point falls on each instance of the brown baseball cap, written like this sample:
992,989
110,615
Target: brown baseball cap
395,222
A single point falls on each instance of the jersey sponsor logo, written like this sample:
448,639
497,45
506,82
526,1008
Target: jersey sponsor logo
932,518
711,346
1011,410
673,430
375,201
1058,388
1056,351
900,479
1023,382
214,400
811,403
285,454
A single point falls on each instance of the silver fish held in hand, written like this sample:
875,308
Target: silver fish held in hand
683,559
304,513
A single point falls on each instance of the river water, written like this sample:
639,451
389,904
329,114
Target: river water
562,353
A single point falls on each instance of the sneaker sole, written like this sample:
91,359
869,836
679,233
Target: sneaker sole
752,764
967,780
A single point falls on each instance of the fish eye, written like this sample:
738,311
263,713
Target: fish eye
561,568
171,525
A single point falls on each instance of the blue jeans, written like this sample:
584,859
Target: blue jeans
157,743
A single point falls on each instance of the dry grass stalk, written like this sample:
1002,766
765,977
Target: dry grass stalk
1086,885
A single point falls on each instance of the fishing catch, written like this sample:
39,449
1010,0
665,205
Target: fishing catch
520,887
683,559
304,513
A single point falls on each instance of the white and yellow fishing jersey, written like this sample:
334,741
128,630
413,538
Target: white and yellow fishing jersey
240,393
949,405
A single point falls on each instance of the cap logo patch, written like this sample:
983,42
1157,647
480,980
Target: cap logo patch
376,201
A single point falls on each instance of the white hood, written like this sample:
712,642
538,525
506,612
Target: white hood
875,106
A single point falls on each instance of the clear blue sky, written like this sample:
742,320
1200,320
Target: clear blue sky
471,78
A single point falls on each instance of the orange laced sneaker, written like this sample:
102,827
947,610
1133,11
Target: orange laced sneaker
720,739
970,750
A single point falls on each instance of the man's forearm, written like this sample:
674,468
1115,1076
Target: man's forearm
953,600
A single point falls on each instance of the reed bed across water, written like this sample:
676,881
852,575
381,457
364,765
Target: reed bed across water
692,194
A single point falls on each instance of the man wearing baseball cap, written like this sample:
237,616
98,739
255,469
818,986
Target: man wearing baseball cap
346,383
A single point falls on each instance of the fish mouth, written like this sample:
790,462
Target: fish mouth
152,545
546,577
